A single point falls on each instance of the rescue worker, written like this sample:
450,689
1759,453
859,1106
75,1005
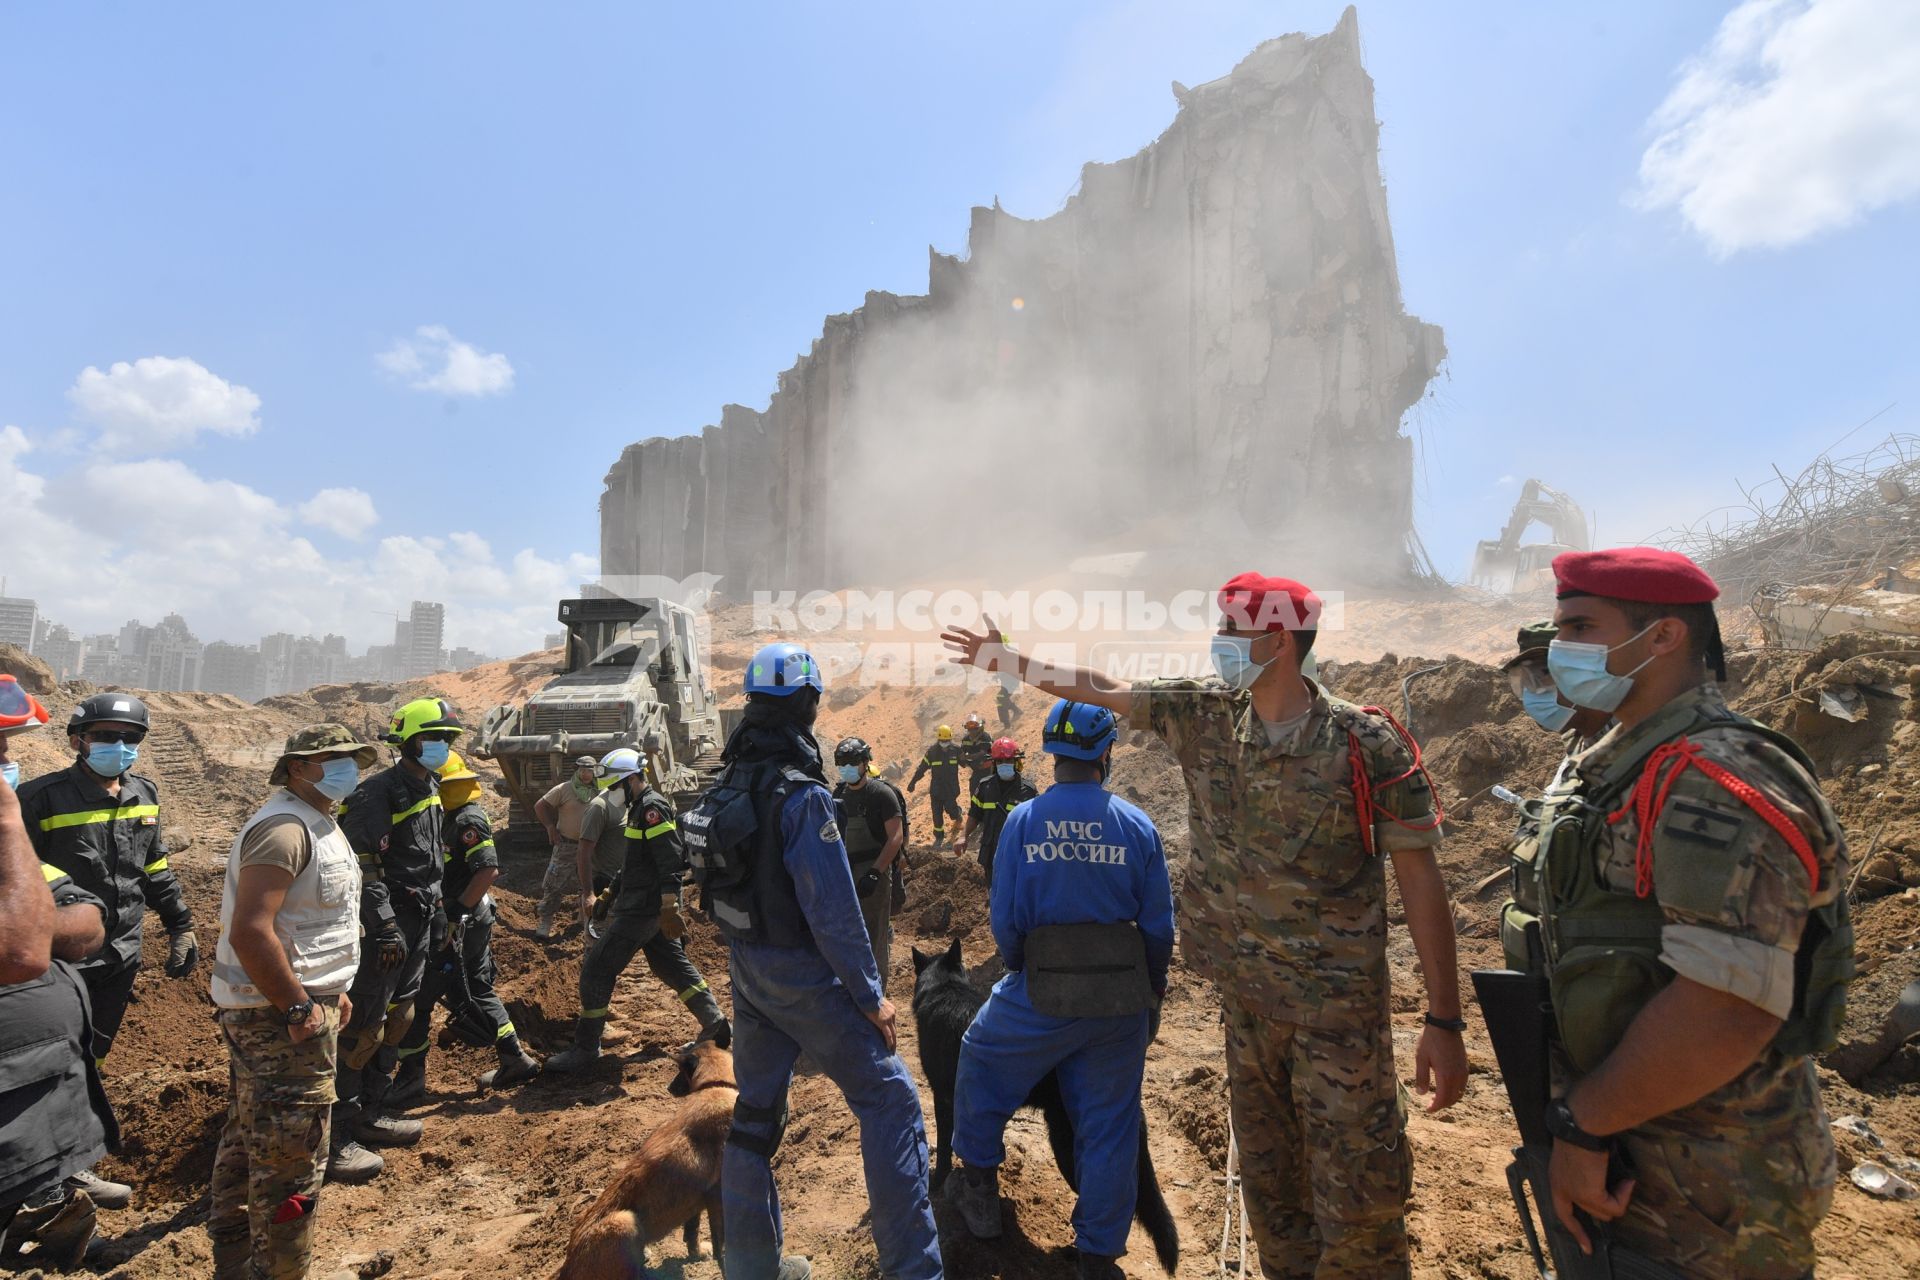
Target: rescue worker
645,918
1285,912
994,797
1083,883
54,1118
1008,709
603,849
942,760
1532,683
976,748
460,970
1697,844
874,832
560,811
100,824
393,820
289,944
765,842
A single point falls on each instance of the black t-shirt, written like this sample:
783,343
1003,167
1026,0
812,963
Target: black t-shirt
865,830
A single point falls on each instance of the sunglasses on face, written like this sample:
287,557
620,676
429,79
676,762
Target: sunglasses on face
132,737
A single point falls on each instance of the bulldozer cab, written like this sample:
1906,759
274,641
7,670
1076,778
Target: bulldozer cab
631,676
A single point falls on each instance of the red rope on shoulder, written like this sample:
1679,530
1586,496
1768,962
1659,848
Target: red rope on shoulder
1365,810
1649,798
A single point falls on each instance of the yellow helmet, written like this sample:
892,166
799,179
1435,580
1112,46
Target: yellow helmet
944,733
422,715
456,770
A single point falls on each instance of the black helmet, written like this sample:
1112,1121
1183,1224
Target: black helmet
108,708
852,751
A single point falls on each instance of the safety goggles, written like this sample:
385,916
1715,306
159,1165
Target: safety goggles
1529,676
101,737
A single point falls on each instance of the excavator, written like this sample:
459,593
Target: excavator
1508,565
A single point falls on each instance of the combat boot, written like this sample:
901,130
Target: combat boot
585,1051
351,1164
975,1196
104,1194
409,1083
794,1269
515,1067
1094,1266
378,1129
543,931
59,1231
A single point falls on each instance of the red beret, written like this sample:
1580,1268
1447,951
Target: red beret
1644,575
1255,602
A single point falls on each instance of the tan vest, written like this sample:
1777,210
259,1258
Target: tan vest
319,922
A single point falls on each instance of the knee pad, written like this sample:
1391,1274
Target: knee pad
399,1018
358,1047
775,1116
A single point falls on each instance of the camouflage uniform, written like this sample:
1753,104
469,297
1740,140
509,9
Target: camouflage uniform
1734,1184
273,1150
1286,913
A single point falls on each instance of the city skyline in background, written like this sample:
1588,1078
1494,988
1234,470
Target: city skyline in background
169,657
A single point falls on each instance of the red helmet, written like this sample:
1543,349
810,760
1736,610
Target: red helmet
18,708
1005,749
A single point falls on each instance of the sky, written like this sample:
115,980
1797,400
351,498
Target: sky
308,313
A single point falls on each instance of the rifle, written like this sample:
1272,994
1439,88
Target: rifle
1519,1018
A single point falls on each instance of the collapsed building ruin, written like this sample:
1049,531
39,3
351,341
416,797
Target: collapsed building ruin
1202,356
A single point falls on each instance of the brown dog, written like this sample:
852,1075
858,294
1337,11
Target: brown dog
666,1183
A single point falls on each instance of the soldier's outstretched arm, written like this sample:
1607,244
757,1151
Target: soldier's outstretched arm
991,651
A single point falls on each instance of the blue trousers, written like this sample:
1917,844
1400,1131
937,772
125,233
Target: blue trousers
786,1001
1009,1048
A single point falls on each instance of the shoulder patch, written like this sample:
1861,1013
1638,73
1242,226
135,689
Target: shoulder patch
469,836
1693,823
653,816
830,832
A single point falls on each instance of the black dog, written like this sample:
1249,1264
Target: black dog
944,1004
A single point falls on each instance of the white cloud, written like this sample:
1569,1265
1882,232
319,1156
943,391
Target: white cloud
347,512
232,560
1801,116
158,403
434,360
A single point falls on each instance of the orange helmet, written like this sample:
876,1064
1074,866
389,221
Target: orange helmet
18,708
1005,749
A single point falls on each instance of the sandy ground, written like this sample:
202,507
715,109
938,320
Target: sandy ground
492,1189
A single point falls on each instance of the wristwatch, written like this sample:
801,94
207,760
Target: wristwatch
299,1012
1561,1124
1446,1024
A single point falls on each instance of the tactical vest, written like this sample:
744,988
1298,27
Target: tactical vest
1600,947
319,922
733,843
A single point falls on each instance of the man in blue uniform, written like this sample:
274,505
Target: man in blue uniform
765,847
1083,917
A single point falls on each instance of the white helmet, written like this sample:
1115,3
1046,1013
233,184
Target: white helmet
622,762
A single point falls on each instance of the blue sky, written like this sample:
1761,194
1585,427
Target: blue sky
615,218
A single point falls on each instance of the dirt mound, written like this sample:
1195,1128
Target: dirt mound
492,1190
35,676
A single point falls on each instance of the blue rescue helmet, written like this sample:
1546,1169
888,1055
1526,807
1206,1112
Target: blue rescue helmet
784,668
1079,730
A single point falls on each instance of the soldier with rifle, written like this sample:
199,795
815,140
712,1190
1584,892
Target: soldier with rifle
1680,948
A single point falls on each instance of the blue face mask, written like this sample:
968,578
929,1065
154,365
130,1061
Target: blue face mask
434,754
337,779
1233,659
1580,672
11,772
111,759
1006,771
849,772
1547,710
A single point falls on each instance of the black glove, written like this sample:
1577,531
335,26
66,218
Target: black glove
867,883
913,784
390,947
183,953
